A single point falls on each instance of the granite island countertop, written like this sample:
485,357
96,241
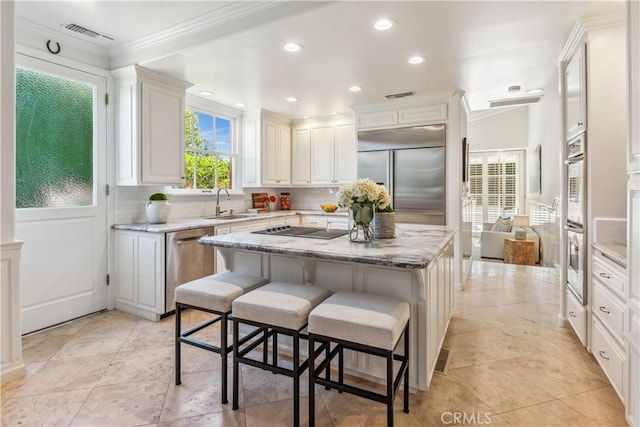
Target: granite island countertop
414,246
192,223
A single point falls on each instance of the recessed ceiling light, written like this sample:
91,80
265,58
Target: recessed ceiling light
416,60
206,92
239,104
535,91
292,47
355,88
291,99
305,117
334,113
384,24
514,89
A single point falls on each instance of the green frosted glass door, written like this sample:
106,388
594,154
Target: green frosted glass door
54,141
61,163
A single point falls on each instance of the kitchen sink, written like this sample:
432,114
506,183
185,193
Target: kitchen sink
227,217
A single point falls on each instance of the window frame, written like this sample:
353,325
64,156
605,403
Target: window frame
213,108
520,176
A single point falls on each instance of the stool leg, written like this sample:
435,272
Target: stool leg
390,389
312,390
236,374
275,349
341,367
296,380
406,372
327,373
177,348
265,346
223,354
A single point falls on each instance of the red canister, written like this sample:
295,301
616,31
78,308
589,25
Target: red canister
285,201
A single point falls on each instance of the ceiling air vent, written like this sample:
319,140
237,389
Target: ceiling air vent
508,102
85,31
399,95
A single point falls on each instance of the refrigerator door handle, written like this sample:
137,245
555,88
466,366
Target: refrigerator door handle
391,171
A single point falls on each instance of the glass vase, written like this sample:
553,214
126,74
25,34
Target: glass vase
361,227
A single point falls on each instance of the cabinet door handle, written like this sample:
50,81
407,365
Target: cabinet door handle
604,309
603,355
572,314
579,124
605,275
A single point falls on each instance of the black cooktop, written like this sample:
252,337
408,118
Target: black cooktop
309,232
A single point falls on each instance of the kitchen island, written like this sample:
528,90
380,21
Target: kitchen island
415,266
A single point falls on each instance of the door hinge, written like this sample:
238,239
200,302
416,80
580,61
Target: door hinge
108,279
107,189
106,99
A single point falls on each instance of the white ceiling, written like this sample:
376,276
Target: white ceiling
234,49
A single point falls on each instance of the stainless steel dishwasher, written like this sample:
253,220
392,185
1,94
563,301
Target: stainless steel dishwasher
186,260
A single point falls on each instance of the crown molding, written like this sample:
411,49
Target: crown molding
583,26
477,116
227,13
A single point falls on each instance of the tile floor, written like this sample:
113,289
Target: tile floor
510,364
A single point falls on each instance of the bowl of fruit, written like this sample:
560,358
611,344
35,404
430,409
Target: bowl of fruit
329,207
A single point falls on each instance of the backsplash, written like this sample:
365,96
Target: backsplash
610,231
131,202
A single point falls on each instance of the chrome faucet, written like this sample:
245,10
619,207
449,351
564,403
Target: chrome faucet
218,211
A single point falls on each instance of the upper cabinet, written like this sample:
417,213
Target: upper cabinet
266,154
575,94
150,127
379,116
324,153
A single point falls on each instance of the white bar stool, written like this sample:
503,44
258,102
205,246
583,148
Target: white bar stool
275,308
212,294
367,323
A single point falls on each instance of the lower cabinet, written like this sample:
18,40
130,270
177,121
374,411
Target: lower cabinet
632,389
140,273
577,317
609,354
329,222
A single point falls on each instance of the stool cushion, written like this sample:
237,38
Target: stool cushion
217,292
373,320
279,304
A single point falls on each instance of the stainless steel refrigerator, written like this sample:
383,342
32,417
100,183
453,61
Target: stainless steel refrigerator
411,163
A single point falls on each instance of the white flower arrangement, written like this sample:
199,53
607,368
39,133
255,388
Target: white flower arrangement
363,190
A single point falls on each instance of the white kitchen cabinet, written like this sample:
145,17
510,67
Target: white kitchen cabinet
266,150
325,153
577,316
301,157
140,273
276,156
150,127
406,115
575,95
328,222
608,317
633,66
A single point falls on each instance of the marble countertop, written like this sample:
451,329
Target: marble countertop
616,252
414,246
192,223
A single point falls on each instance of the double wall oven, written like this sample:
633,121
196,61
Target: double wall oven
576,215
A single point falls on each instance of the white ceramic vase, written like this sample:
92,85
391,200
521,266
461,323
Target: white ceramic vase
384,225
158,211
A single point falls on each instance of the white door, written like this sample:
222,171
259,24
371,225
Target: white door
60,192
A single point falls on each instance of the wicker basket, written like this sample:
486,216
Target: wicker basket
384,225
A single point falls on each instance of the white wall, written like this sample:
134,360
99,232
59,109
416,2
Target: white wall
498,129
545,129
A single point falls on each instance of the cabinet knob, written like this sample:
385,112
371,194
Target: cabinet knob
603,355
604,309
605,275
579,124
